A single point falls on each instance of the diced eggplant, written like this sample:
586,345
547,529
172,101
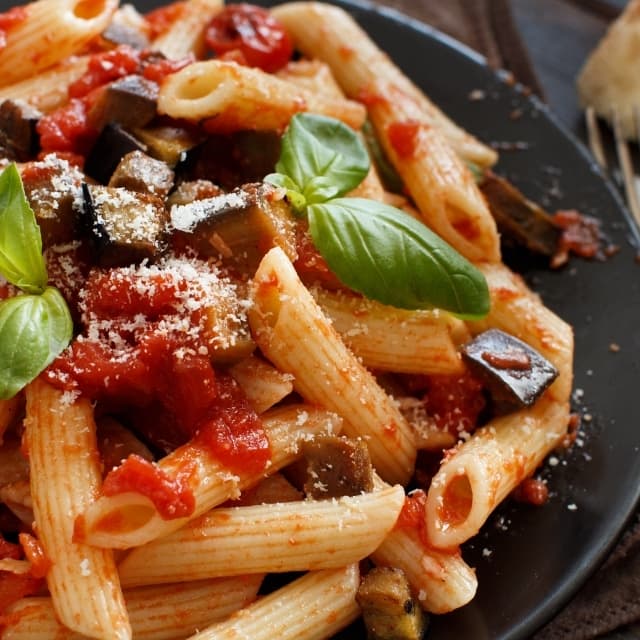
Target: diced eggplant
130,101
141,173
53,187
514,374
127,227
128,27
112,144
240,226
187,192
169,144
521,221
233,160
389,610
337,467
18,137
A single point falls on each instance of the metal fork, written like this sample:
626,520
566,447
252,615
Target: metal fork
625,160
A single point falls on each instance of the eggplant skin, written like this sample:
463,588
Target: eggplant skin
521,222
126,227
514,373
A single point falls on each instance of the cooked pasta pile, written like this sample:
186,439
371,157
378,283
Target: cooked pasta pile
237,398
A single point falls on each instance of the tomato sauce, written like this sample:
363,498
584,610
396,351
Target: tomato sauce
150,365
404,137
454,402
159,20
172,497
254,32
34,552
9,20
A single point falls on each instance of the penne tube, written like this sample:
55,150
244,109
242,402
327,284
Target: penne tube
271,538
130,519
231,97
442,187
51,31
391,339
82,580
325,32
47,91
292,332
313,607
262,383
482,471
441,580
185,36
156,613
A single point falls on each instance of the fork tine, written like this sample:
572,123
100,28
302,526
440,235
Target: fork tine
595,139
626,166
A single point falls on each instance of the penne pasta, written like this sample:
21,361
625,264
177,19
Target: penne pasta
311,608
185,35
130,519
442,187
296,336
51,31
264,385
482,471
392,339
327,33
441,580
83,580
291,536
48,90
156,613
231,97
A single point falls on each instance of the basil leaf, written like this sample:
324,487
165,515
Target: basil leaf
21,261
388,256
323,156
295,198
34,329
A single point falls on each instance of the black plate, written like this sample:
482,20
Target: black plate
531,560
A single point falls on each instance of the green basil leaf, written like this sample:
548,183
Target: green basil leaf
21,261
388,256
34,329
323,156
295,198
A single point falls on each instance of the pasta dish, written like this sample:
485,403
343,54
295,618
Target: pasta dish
254,321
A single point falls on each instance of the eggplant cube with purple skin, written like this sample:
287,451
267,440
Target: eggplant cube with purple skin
514,374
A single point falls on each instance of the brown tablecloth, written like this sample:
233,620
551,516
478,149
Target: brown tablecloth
611,599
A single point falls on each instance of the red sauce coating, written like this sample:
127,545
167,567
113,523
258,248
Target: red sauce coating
254,32
404,136
453,401
164,372
14,586
105,67
172,497
581,235
512,359
34,552
67,129
532,491
162,18
9,20
158,70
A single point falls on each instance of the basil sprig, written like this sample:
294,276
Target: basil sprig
35,325
373,248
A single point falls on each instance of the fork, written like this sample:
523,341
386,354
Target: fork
625,160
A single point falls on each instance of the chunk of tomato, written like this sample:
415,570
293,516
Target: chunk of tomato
254,32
